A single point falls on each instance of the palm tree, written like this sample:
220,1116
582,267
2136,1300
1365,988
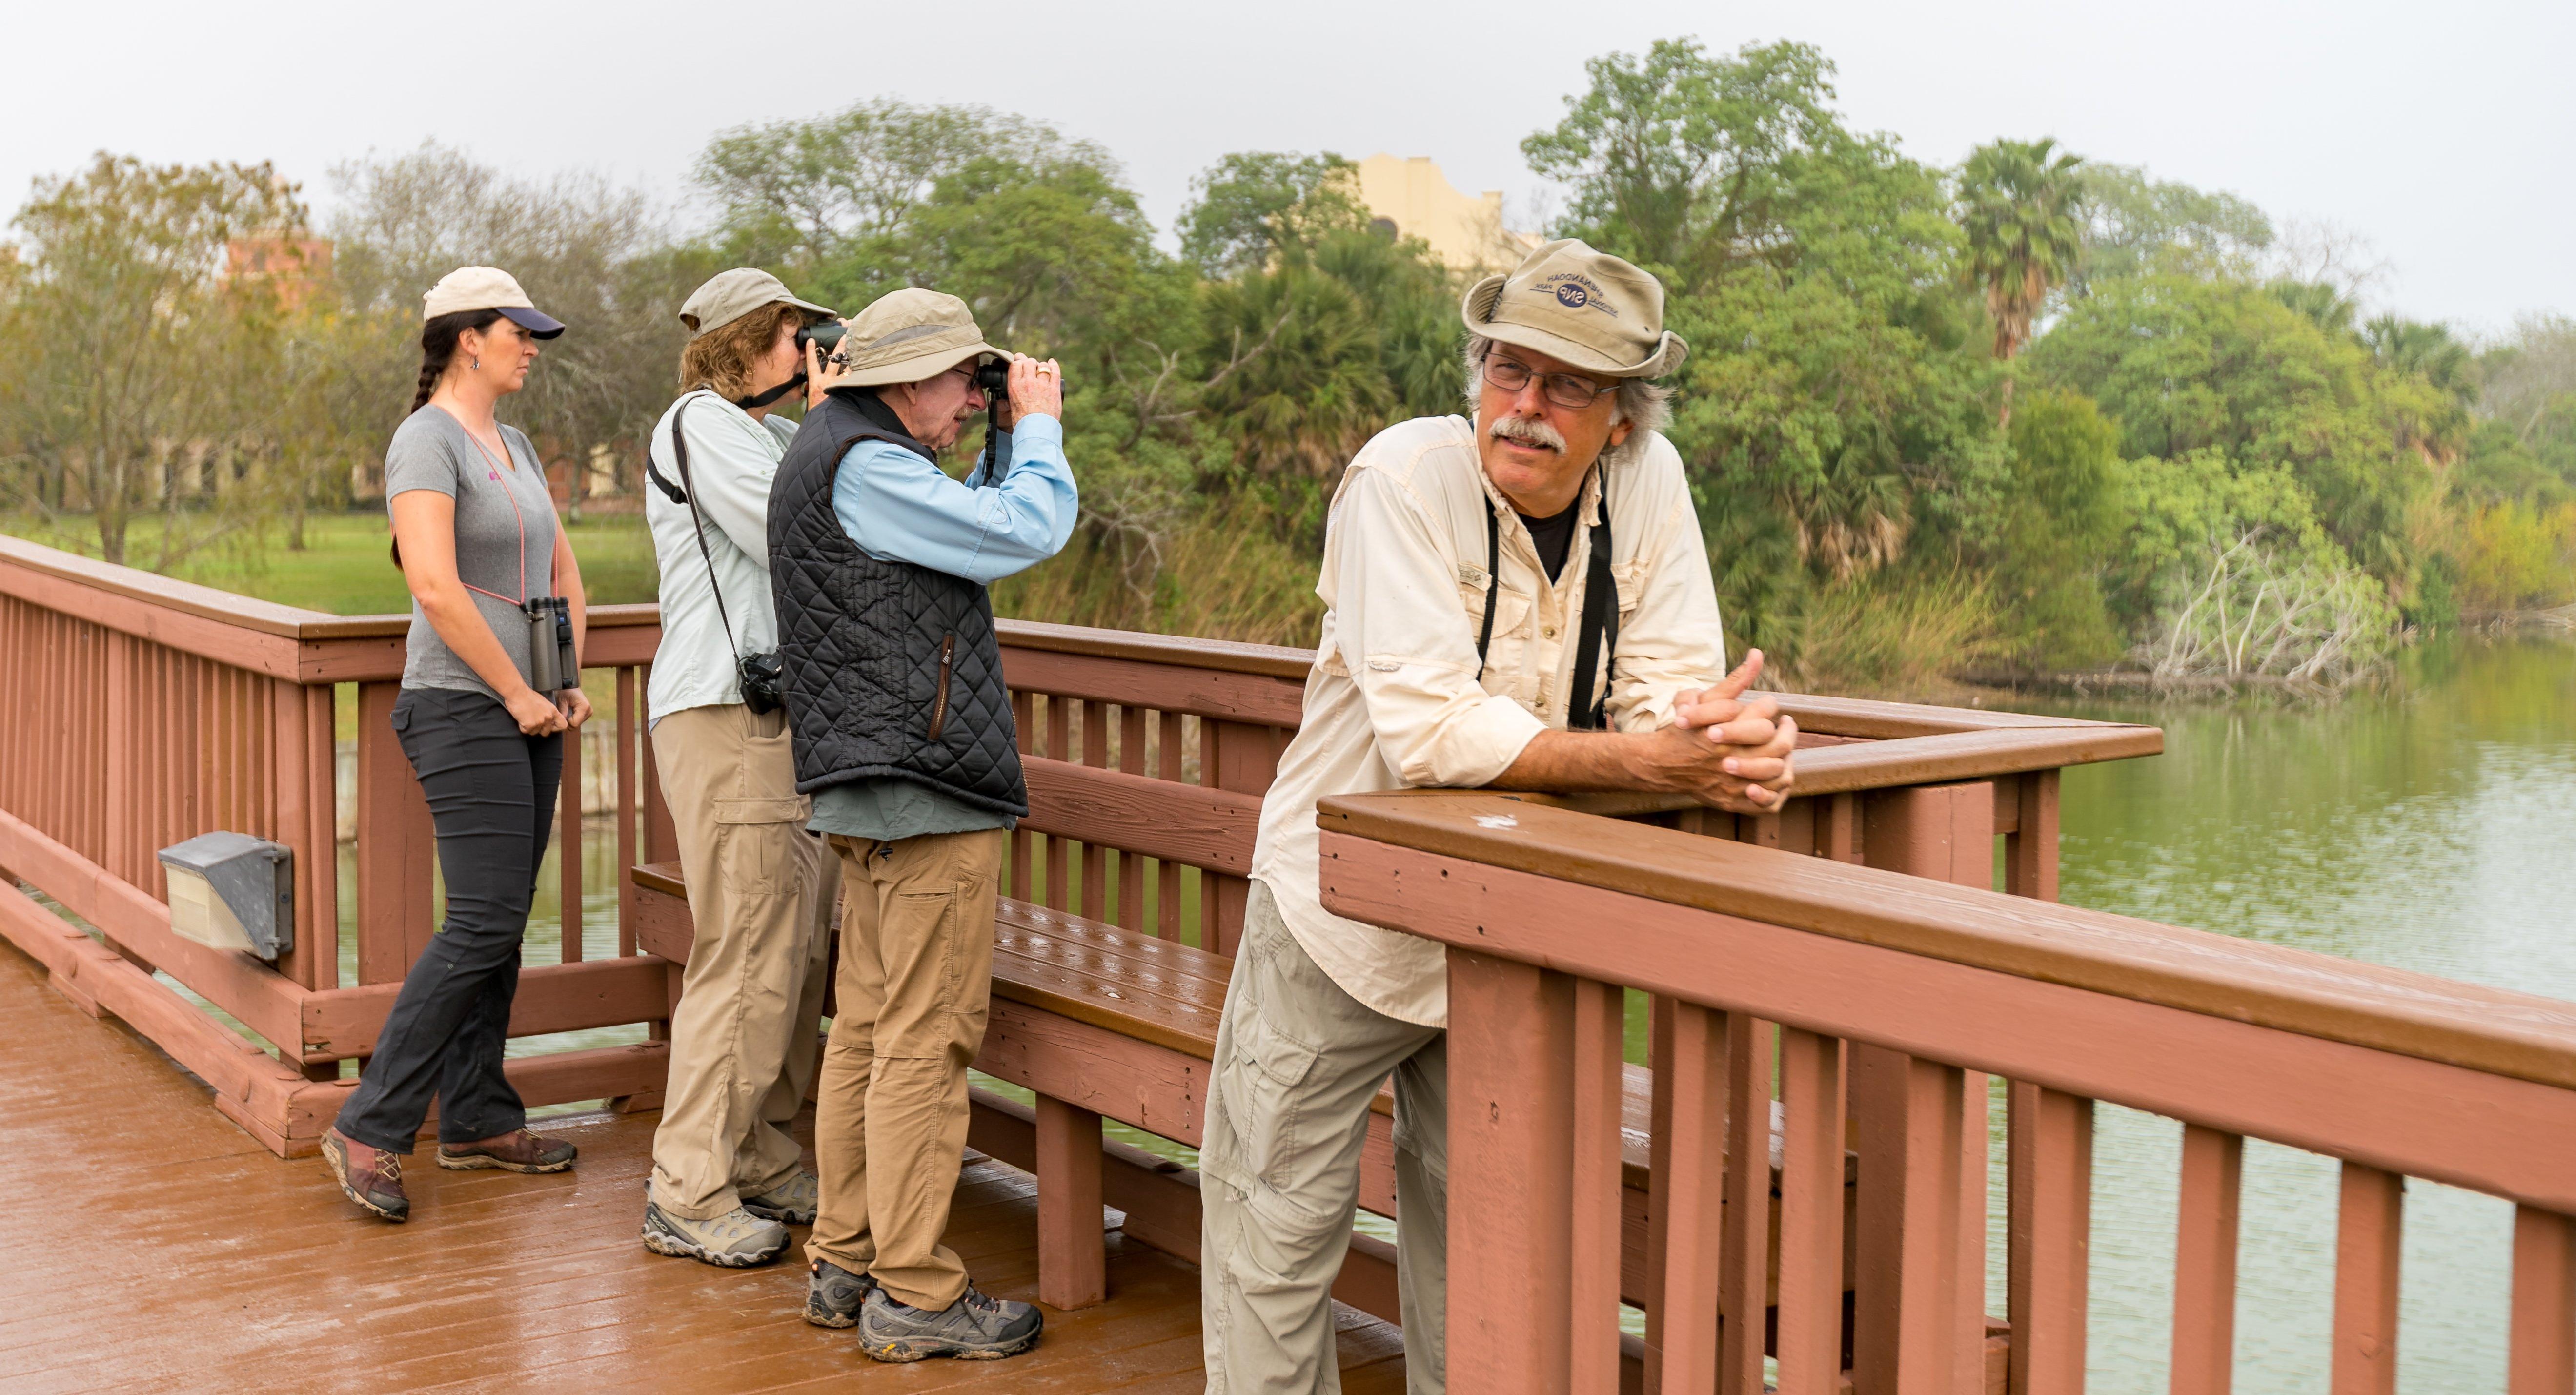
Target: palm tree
2021,203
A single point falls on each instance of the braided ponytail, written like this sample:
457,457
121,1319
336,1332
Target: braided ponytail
438,347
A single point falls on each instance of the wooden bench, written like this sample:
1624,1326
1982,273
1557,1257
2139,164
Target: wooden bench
1102,1022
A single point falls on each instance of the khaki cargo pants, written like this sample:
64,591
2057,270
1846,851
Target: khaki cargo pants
914,988
1297,1060
761,891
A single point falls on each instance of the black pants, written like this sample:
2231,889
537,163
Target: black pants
492,799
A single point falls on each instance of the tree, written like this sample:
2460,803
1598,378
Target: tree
2065,510
2137,225
1254,207
139,355
2021,203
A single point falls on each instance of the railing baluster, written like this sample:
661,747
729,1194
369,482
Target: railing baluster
2204,1321
1744,1248
1593,1314
1686,1194
2049,1263
2370,1224
1511,1029
1811,1214
1167,875
568,847
2543,1357
1920,1283
1059,746
2030,852
1023,842
626,809
1095,858
1131,868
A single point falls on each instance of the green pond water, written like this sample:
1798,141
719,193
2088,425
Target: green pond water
2430,826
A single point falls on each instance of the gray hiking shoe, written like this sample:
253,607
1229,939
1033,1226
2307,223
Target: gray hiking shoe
792,1202
833,1295
977,1327
735,1240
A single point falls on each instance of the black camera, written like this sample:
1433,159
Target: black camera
760,675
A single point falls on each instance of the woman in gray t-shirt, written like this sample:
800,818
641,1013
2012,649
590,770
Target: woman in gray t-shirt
475,533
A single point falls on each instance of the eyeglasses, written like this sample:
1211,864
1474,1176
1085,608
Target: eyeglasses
1563,389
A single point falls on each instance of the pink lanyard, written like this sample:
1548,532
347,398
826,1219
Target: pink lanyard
495,473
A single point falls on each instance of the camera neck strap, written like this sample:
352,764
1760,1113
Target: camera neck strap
1596,642
697,523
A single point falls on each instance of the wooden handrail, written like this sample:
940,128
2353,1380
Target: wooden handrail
2487,1029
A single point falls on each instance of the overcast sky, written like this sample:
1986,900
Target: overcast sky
2439,133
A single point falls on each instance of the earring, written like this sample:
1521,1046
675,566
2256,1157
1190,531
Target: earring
475,367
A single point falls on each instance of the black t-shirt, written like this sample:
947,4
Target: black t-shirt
1554,537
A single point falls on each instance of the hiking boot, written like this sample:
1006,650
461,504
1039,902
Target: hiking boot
522,1151
735,1240
833,1295
368,1176
977,1327
791,1202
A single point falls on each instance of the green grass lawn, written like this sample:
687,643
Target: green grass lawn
344,567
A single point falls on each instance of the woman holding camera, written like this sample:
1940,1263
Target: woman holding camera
728,1177
475,535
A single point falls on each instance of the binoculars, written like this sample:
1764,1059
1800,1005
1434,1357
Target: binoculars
554,665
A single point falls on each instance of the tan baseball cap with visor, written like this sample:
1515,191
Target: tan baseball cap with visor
1596,313
908,335
729,295
488,288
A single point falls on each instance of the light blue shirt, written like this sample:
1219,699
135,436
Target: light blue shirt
899,507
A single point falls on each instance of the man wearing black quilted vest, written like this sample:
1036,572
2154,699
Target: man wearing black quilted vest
903,736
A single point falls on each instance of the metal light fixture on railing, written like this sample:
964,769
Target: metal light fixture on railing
233,891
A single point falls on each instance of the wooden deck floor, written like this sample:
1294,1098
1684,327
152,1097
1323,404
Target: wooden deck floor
147,1243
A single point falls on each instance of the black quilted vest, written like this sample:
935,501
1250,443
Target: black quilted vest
892,671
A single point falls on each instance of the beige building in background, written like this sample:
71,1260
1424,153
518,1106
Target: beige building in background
1417,200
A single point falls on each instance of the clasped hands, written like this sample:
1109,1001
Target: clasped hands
1729,752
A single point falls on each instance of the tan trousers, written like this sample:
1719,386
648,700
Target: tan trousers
915,985
761,890
1297,1061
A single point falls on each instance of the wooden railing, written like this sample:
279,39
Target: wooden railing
1880,1003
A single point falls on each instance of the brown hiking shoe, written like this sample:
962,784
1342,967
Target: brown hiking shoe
368,1176
523,1151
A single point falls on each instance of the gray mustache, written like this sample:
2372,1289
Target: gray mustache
1528,431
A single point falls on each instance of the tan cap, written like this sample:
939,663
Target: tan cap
487,288
729,295
908,335
1595,312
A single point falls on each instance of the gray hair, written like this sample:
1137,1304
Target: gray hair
1644,405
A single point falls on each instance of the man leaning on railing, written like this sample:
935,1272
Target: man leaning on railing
1524,602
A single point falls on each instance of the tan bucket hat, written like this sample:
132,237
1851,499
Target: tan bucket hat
729,295
1590,309
908,335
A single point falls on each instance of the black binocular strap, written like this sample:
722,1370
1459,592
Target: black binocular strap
1600,632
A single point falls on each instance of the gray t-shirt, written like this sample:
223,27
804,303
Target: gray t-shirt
504,517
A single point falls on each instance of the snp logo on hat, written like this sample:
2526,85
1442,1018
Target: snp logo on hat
1575,291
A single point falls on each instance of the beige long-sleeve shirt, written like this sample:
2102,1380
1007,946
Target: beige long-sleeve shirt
1394,701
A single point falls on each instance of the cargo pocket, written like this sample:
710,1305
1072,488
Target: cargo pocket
753,854
1267,1097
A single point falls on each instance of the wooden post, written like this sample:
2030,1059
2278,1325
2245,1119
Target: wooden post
1072,1256
2204,1321
2544,1304
568,847
1811,1214
1685,1202
397,846
2369,1231
1511,1117
2051,1241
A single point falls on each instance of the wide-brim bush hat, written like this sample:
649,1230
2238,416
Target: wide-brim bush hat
488,288
908,335
1588,309
729,295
